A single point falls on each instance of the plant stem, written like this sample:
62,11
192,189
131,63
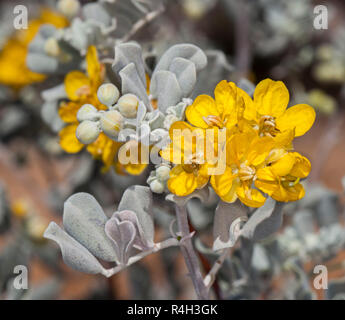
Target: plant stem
211,276
157,247
189,254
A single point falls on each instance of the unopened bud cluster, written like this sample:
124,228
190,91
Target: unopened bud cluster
111,121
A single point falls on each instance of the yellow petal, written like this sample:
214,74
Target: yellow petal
68,139
225,96
76,84
135,169
301,167
222,183
293,193
259,149
268,187
180,182
283,166
299,117
202,177
68,111
94,68
271,98
265,174
202,107
250,197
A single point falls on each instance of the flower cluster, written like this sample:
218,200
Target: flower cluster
256,152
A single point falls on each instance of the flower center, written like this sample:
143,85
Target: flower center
246,172
213,121
191,168
267,126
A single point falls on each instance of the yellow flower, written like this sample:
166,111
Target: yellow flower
221,112
186,151
281,179
13,69
269,114
245,154
82,89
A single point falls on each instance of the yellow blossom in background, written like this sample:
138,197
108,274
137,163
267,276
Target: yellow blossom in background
82,89
13,69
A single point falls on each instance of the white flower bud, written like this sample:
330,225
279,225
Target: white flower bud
111,123
162,173
87,131
51,47
108,94
128,105
157,186
68,8
87,112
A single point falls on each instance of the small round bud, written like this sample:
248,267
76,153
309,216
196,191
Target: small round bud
163,173
68,8
87,112
87,132
128,105
111,123
157,187
51,47
108,94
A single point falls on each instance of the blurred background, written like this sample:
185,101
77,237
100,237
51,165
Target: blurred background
260,39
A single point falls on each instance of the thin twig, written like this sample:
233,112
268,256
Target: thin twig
211,276
189,254
157,247
142,22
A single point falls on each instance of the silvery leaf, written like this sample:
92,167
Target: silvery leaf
228,219
186,51
139,200
74,254
122,233
126,53
84,220
139,241
131,83
185,73
50,115
202,194
95,11
41,63
166,89
54,93
264,221
127,134
217,68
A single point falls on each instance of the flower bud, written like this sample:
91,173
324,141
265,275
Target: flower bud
51,47
157,186
128,105
108,94
87,112
68,8
162,173
111,123
87,131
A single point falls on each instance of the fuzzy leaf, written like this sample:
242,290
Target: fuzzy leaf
227,221
264,221
185,73
122,233
84,220
139,200
126,53
132,83
73,253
